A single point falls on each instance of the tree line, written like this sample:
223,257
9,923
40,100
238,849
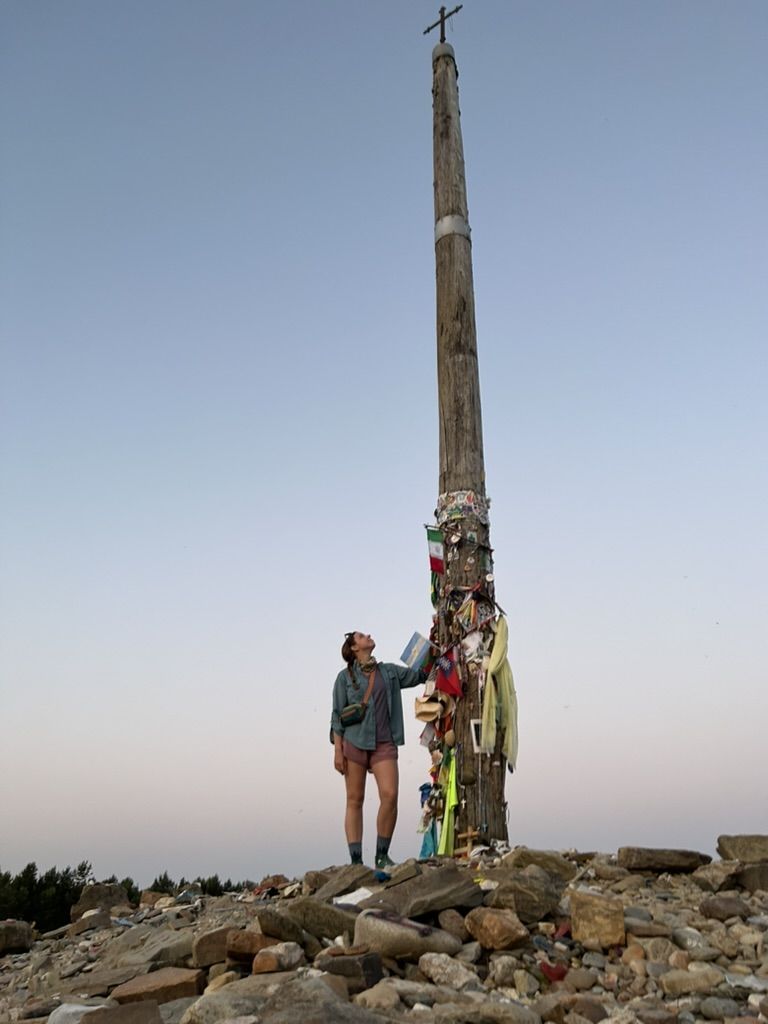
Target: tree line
46,899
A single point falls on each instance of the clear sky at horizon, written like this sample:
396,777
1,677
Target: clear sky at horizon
218,422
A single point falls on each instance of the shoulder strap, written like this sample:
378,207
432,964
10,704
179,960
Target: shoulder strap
369,691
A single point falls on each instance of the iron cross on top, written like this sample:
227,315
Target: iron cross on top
443,18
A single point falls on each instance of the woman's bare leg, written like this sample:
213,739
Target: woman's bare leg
353,818
388,780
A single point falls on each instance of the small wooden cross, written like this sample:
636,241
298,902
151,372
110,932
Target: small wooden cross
442,20
469,836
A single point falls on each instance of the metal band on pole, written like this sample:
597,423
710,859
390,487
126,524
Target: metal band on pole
453,224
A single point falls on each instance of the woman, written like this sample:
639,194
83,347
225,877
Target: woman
371,745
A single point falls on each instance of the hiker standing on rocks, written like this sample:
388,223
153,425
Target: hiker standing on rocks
369,745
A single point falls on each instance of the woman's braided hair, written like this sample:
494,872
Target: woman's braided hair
348,655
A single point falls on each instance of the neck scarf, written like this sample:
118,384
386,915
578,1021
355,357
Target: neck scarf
368,667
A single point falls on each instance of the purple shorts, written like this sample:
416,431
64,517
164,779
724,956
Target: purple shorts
369,758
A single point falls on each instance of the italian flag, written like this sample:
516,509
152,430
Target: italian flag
436,550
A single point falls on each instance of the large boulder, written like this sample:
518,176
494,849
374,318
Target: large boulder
167,947
395,936
210,947
320,919
597,920
532,893
164,985
15,936
238,999
749,849
551,861
313,1001
646,858
99,896
434,890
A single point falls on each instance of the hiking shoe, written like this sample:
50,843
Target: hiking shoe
384,862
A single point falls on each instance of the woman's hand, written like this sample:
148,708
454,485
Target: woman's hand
339,761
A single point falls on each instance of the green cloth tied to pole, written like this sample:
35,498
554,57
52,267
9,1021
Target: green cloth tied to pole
448,828
500,699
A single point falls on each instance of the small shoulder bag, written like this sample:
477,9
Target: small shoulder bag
351,714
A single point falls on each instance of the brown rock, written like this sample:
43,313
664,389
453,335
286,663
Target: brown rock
581,978
101,982
753,877
362,970
552,862
244,943
723,907
597,919
284,956
749,849
15,936
100,919
210,947
452,921
659,950
145,1012
676,983
496,929
656,1015
646,858
551,1006
720,874
164,985
280,926
149,898
588,1007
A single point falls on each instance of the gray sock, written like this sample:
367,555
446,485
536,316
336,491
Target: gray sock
356,853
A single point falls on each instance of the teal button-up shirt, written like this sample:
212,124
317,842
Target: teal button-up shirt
363,735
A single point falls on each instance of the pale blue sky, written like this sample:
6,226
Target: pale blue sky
219,425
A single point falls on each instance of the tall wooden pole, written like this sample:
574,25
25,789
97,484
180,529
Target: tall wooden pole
462,510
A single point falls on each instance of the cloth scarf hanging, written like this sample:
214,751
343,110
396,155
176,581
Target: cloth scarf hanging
500,699
445,846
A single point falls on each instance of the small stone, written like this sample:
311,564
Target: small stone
718,1009
525,984
723,907
581,978
452,921
362,970
284,956
381,996
677,983
589,1007
496,929
597,919
220,981
659,949
441,969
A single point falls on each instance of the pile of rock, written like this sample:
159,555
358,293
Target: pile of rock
643,937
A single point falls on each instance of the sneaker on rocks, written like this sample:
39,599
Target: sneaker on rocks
384,862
